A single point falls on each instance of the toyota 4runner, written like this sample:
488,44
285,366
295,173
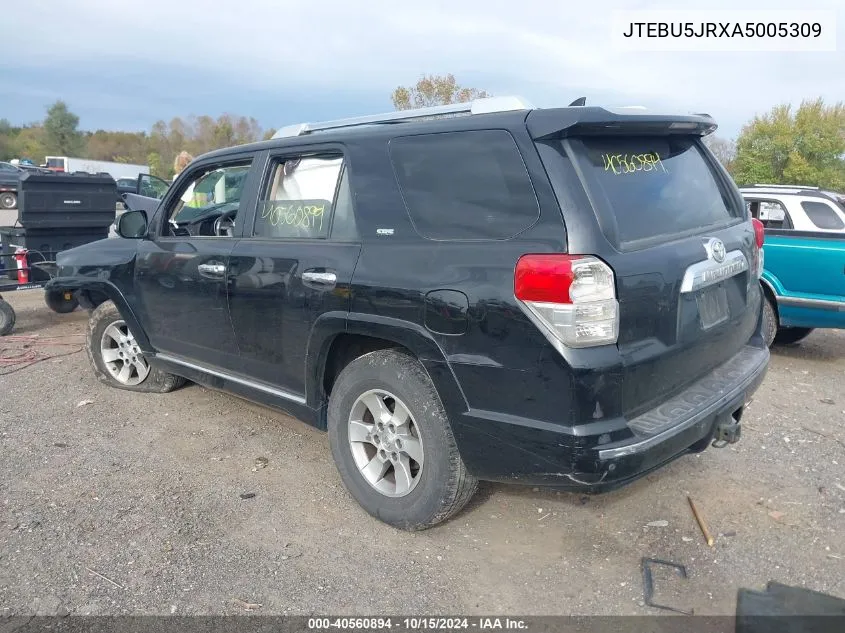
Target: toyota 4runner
565,297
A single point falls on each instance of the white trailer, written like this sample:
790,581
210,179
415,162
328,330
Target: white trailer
116,170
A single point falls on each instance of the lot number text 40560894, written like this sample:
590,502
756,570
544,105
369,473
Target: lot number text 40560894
417,623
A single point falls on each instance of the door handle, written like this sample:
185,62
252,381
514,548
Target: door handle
320,279
212,270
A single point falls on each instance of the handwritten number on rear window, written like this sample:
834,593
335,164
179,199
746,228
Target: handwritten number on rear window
632,163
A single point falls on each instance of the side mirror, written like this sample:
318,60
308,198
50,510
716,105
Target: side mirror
132,225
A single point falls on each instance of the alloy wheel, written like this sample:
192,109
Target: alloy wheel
122,356
386,443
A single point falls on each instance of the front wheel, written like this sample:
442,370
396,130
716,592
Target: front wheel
117,359
790,335
392,442
7,317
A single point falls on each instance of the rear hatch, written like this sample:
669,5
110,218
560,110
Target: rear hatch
654,205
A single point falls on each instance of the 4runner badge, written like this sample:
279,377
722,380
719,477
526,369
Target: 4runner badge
384,231
715,249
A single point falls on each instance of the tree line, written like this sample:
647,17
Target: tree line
59,135
802,145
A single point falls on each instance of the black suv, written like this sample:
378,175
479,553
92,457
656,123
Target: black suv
565,297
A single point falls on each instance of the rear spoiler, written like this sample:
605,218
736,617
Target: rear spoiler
572,121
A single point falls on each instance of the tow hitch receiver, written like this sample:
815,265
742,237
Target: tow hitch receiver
728,430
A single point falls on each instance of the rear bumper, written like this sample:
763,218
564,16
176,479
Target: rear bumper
516,450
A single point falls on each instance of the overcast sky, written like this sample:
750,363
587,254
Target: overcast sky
124,65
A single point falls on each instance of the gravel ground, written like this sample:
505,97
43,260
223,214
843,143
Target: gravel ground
131,504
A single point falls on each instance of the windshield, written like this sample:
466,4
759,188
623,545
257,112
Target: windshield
653,186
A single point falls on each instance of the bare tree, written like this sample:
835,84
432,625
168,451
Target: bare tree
723,149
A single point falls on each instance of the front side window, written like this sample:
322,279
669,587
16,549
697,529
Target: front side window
300,199
208,202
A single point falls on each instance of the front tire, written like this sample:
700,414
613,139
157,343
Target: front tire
116,358
7,318
790,335
770,321
392,442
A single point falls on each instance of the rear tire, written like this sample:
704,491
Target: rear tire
790,335
408,474
7,318
116,358
770,321
58,301
8,200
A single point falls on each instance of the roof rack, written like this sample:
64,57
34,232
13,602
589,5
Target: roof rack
781,187
477,106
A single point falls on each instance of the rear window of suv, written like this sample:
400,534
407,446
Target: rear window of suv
653,186
470,185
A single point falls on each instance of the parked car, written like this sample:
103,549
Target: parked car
804,272
9,177
565,297
126,185
797,208
29,167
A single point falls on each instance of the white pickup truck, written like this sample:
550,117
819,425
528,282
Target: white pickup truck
116,170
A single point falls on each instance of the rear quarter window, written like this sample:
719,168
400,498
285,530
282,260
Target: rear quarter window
822,215
464,185
653,187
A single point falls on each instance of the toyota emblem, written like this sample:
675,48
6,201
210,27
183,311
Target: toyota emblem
715,249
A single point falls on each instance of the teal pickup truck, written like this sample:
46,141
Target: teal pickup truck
804,260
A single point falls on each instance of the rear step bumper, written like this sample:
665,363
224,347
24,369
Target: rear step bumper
708,411
702,406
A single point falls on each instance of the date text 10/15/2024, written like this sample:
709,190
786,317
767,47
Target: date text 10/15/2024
417,624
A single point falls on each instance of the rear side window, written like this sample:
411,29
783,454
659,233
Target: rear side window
653,186
465,185
822,215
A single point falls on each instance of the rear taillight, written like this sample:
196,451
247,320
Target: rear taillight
759,232
571,298
759,238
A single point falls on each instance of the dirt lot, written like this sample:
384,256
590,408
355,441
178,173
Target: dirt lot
132,504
